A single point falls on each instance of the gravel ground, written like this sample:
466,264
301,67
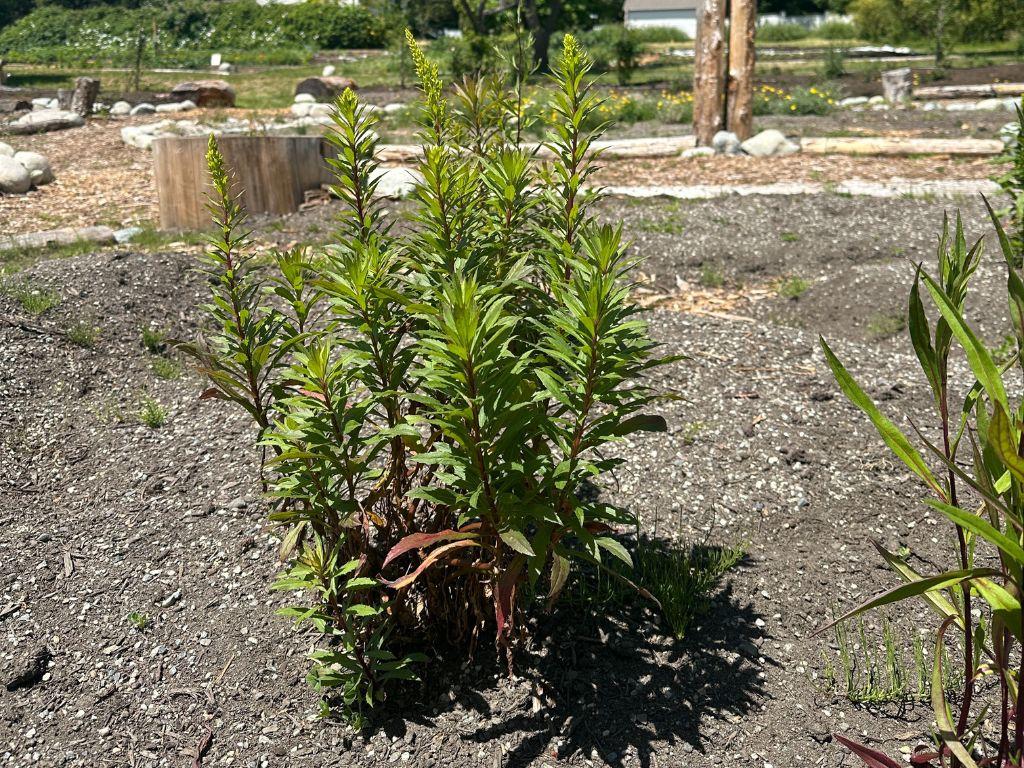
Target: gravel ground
101,517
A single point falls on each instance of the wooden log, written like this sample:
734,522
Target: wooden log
272,174
708,72
42,121
52,237
740,101
958,91
901,146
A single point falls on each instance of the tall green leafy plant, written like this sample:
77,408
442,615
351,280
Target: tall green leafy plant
1012,183
432,402
980,450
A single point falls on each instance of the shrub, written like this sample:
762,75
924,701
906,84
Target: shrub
433,400
979,490
835,30
184,27
833,65
1012,184
769,100
781,33
627,48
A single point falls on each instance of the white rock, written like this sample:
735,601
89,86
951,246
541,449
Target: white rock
120,108
305,98
769,143
989,104
174,106
961,106
390,109
726,143
301,108
697,152
321,110
143,109
879,107
6,150
853,101
876,100
395,182
329,71
43,103
215,59
135,136
226,68
14,177
37,166
54,104
930,106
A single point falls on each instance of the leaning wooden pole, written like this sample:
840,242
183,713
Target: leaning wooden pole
708,71
742,26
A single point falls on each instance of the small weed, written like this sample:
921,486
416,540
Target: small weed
681,580
154,340
139,620
152,414
83,335
882,326
793,287
711,276
166,368
692,431
878,670
790,237
662,227
35,301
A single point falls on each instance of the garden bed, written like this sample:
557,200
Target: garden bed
103,518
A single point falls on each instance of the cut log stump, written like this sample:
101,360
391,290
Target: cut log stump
272,174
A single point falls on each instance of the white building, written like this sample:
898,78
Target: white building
679,14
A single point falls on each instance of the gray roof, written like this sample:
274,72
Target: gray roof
661,5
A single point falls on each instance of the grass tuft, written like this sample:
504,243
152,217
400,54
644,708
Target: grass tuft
35,301
793,287
152,414
83,335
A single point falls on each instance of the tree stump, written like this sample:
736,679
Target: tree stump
272,174
81,99
740,102
708,72
897,84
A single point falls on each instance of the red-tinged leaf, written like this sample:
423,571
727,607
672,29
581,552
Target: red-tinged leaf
315,395
429,560
212,393
422,540
924,756
595,527
505,595
871,757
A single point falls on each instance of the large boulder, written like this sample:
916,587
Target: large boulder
45,120
205,93
120,108
324,89
38,167
14,178
769,143
6,150
726,143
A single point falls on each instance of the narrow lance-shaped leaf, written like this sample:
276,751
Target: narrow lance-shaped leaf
892,436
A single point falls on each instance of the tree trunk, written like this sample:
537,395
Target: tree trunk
742,27
542,29
708,72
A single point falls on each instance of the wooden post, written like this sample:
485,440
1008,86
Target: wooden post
708,72
84,95
272,173
742,26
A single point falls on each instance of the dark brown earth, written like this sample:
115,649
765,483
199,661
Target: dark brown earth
101,517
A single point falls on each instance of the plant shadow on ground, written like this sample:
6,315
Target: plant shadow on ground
618,683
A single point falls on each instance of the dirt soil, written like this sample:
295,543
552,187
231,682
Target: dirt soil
101,517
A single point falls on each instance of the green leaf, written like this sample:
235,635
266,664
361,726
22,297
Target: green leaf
1003,440
936,600
517,541
892,436
613,547
981,527
641,423
360,609
985,370
559,574
941,709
